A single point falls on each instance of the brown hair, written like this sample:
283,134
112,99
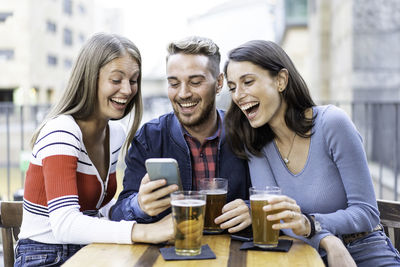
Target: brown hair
195,45
272,58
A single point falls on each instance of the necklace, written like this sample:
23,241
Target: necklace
286,159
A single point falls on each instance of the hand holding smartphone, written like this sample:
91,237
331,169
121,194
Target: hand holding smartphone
164,168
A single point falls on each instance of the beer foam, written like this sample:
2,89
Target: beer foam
261,196
214,192
188,203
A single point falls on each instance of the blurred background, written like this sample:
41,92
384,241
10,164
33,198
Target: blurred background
348,51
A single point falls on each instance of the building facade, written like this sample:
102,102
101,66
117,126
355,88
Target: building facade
38,45
356,49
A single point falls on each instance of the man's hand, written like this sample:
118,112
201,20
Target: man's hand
235,216
155,233
151,193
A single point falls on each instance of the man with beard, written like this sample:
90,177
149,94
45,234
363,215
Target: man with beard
193,135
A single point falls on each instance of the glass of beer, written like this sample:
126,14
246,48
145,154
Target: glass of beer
263,234
188,218
216,190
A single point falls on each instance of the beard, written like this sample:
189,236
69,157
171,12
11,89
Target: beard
203,117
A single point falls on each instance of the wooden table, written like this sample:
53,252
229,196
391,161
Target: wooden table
227,252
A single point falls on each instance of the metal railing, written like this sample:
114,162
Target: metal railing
377,122
17,124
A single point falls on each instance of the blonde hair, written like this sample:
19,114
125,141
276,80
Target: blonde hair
80,97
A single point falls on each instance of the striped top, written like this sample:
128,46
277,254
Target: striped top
64,195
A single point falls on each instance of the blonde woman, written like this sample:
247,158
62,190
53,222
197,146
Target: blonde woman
71,178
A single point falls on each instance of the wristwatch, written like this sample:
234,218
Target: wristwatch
314,225
317,225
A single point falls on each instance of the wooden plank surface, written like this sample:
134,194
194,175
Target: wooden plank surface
227,252
389,211
299,254
237,257
390,219
107,255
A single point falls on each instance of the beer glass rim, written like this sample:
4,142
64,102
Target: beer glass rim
214,179
188,194
267,189
213,183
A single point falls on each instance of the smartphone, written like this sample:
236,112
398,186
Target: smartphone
164,168
245,235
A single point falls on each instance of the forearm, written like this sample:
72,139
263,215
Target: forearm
337,253
330,241
70,226
129,209
350,220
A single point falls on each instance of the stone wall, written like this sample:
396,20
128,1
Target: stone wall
376,49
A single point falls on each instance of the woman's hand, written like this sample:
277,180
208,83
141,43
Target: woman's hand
235,216
338,255
155,233
288,211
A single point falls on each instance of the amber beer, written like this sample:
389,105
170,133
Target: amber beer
216,199
263,234
216,190
188,219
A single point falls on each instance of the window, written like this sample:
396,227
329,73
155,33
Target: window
82,38
67,63
51,27
6,54
4,16
296,12
82,9
67,37
67,7
6,95
51,60
49,95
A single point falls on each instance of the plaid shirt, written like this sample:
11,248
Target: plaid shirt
203,156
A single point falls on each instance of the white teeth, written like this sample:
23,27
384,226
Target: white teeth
120,100
248,105
188,105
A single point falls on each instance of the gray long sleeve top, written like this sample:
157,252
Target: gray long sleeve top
335,184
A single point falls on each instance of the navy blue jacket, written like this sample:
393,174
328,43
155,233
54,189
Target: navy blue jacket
163,138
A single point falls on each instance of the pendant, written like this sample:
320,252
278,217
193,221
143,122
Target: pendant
286,160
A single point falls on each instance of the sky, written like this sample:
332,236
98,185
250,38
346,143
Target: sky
151,24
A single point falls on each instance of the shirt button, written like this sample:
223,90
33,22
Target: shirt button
201,155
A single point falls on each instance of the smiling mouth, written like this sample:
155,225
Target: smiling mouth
119,101
188,104
250,108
